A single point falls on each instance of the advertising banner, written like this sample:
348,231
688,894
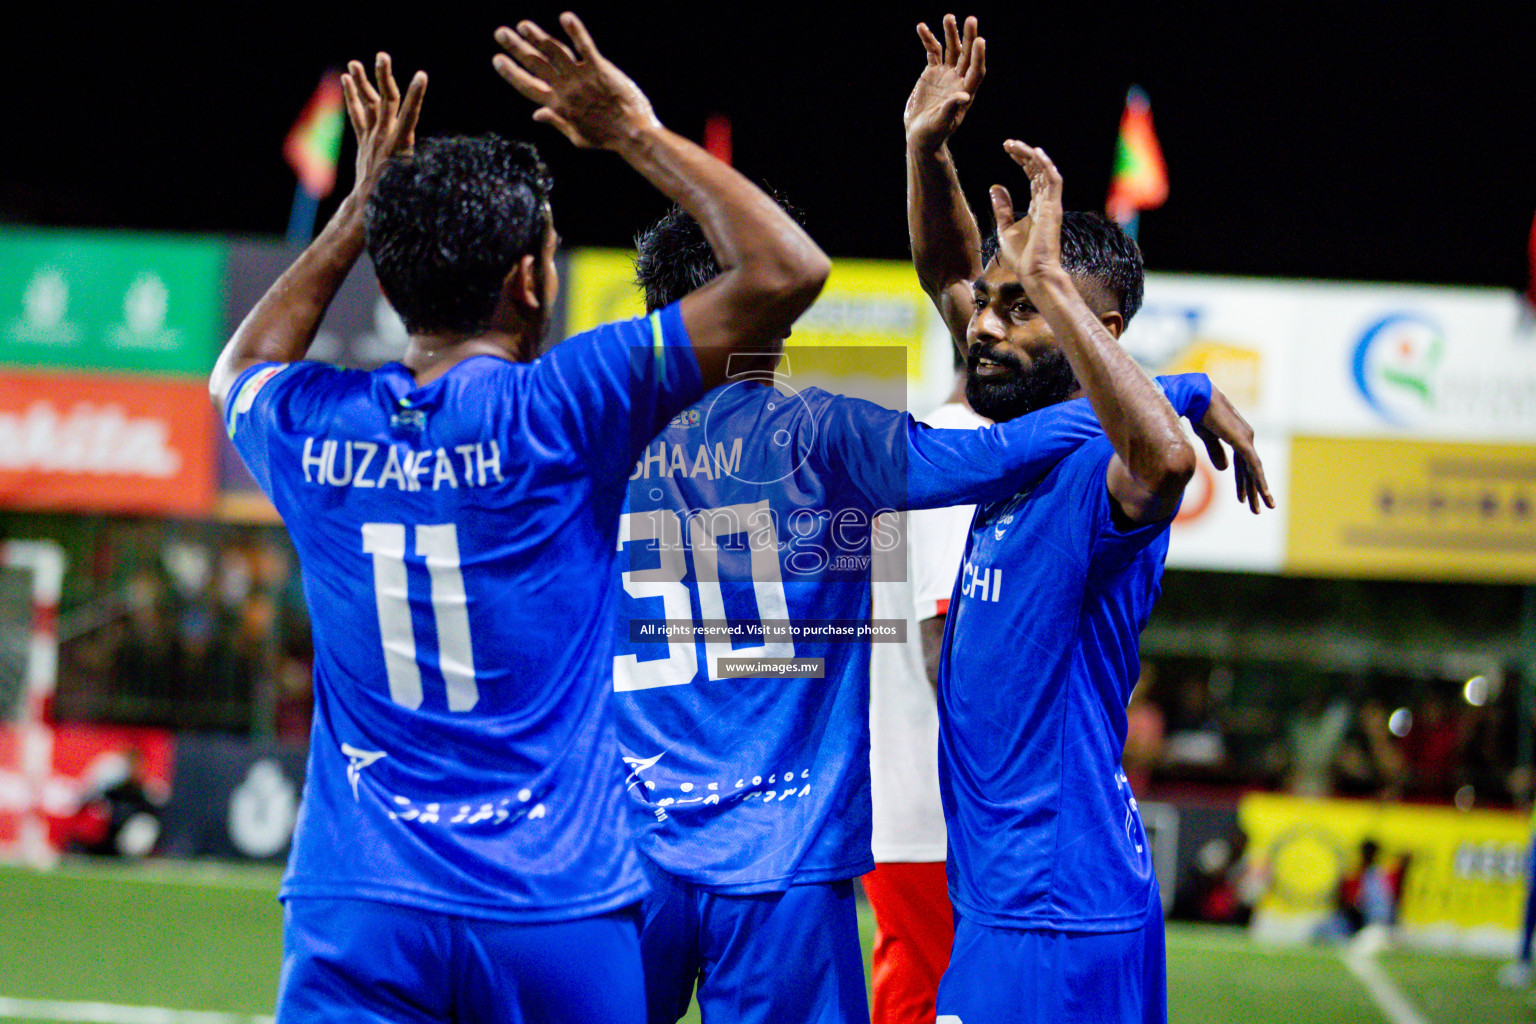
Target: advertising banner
234,798
866,304
1453,364
1214,531
1240,332
1405,509
104,444
1463,872
109,301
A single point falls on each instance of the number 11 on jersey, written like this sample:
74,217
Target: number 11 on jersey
439,546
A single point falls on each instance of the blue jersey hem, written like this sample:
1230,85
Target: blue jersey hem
482,911
1054,922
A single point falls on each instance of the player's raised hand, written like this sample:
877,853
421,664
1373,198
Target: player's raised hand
578,90
947,87
383,120
1222,422
1031,244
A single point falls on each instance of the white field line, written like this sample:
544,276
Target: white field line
115,1013
1386,995
191,873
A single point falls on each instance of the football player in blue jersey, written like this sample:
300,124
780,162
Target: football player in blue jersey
1058,916
748,536
461,853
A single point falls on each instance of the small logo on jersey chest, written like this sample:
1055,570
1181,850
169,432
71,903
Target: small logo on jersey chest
1001,515
408,419
686,418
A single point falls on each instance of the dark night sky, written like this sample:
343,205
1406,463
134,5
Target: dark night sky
1394,142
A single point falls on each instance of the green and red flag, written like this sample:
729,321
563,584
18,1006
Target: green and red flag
314,142
1141,177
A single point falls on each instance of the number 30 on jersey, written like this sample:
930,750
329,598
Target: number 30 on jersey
705,528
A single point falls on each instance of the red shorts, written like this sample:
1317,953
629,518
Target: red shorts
915,928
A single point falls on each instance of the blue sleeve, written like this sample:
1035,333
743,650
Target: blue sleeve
1096,533
975,467
1188,393
252,411
620,383
967,467
889,461
894,462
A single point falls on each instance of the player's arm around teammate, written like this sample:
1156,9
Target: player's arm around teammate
280,328
771,271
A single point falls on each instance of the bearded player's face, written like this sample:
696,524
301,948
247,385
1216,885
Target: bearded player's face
1014,364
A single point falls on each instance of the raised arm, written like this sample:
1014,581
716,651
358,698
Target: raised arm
280,328
1153,460
946,242
771,271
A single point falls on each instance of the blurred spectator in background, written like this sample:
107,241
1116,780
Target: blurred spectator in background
1372,762
1143,733
1433,745
1314,737
295,694
1366,901
1195,745
1216,887
142,665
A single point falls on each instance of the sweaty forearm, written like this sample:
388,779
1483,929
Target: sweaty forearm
1136,415
281,327
946,241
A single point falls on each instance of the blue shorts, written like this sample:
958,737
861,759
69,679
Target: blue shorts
377,963
1034,976
788,957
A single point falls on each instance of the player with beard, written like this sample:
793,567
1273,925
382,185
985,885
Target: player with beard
751,792
1057,912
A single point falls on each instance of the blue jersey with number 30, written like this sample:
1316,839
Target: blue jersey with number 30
755,508
457,547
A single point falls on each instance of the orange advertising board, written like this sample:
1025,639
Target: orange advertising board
105,444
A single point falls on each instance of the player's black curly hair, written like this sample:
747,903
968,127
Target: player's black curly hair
447,223
1094,247
674,258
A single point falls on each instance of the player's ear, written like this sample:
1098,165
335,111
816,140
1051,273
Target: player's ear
1113,322
521,285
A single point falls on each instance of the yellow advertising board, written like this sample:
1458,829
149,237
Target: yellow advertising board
1464,879
1383,507
600,288
866,304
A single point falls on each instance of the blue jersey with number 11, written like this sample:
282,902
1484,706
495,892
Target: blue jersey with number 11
457,547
